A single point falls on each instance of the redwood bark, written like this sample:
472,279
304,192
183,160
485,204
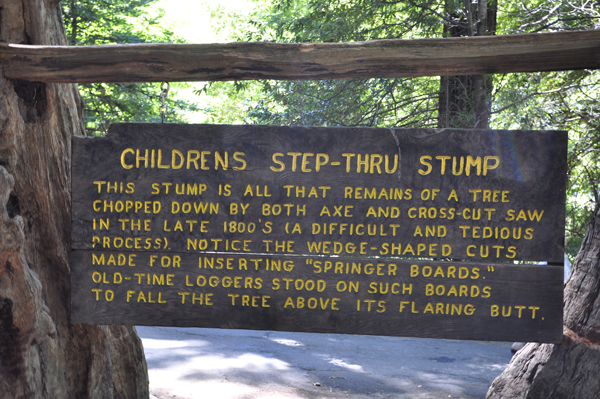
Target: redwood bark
570,369
43,355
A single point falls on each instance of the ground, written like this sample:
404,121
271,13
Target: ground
190,363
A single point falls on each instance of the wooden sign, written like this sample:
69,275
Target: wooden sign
317,294
181,194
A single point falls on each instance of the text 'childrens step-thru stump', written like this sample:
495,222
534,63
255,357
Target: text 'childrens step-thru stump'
406,232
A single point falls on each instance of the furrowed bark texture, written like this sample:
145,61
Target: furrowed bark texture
42,355
568,370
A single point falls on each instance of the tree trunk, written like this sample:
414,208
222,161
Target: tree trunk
43,355
464,101
568,370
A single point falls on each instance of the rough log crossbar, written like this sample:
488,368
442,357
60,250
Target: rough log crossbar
301,61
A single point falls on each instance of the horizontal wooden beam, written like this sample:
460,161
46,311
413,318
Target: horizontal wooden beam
300,61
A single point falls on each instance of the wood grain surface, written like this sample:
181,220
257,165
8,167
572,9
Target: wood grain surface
272,199
303,61
317,294
303,229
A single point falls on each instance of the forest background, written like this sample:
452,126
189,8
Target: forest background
564,100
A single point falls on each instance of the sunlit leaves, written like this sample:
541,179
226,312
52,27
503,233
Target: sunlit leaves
531,16
568,101
91,22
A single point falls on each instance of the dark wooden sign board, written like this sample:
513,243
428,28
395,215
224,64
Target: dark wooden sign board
316,294
167,198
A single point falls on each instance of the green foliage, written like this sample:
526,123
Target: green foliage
90,22
534,16
347,21
109,22
227,102
370,102
567,100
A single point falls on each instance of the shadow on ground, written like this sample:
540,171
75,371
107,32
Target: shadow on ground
210,363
